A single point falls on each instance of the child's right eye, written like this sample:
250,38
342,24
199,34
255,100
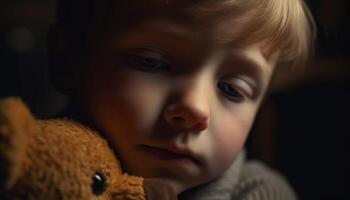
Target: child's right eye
148,63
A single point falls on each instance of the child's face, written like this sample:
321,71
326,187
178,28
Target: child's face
175,102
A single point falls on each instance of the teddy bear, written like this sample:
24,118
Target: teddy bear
63,159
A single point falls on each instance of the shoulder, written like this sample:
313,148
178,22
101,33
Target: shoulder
259,182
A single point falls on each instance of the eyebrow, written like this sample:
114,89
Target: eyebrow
152,29
171,28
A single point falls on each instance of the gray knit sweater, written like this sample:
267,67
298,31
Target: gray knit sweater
248,180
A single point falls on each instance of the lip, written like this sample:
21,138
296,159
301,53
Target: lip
172,153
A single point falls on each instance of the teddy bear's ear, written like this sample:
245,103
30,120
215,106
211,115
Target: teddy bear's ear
17,126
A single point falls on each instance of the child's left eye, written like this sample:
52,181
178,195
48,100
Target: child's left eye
148,64
230,92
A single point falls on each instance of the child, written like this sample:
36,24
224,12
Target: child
174,85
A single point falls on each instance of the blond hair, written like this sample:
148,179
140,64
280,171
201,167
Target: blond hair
280,25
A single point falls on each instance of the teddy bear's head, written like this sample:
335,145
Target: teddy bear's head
62,159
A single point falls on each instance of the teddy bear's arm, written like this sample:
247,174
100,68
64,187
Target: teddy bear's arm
17,126
128,188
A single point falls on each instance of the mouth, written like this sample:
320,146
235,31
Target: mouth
172,154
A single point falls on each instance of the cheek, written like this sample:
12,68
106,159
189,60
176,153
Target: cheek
141,101
131,104
228,138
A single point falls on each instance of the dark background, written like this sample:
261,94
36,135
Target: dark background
304,126
302,129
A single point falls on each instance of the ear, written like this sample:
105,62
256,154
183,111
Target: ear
17,126
61,59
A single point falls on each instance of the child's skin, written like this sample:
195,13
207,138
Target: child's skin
174,100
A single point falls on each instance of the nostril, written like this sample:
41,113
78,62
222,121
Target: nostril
181,116
201,126
178,120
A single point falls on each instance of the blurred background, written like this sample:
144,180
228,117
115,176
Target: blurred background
302,128
23,54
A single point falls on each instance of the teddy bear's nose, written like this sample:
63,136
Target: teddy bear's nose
98,183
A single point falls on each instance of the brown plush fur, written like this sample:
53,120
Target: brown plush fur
57,159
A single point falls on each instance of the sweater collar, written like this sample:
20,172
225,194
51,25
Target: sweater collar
223,185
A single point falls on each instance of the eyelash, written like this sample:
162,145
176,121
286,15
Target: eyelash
154,65
230,92
148,64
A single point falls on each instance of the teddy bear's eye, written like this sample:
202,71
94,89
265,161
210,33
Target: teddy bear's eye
98,183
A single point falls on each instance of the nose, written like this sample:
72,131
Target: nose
189,110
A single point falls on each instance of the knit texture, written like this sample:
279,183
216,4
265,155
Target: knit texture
244,180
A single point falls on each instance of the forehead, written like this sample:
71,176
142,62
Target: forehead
226,22
207,17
